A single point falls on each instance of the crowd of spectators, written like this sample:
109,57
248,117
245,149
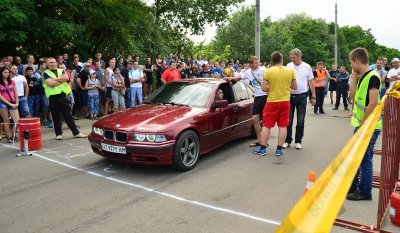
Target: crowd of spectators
101,86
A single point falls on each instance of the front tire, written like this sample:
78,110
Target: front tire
186,151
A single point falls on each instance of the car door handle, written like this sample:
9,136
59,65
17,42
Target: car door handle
235,109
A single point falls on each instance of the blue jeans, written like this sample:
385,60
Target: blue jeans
136,92
23,106
33,103
298,103
44,102
93,103
366,168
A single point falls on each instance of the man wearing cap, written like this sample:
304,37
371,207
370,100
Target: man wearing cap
56,89
82,92
394,73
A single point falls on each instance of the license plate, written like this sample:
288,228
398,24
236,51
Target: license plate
113,149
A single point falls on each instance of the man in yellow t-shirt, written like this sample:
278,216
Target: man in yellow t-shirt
229,71
278,80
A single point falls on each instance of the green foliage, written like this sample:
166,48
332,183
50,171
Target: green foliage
191,15
239,34
114,27
314,37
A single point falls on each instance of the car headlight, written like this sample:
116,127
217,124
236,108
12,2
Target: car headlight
98,131
149,137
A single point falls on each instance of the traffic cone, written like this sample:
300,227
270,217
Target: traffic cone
310,181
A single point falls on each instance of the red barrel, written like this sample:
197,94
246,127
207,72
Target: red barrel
394,209
35,133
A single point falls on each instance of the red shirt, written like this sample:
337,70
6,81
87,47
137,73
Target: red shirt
171,75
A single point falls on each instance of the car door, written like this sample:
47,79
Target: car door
223,121
244,98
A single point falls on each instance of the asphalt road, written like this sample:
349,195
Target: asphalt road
65,187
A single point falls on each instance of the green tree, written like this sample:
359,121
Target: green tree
14,16
191,15
314,37
239,34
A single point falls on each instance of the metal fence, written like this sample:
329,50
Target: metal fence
389,174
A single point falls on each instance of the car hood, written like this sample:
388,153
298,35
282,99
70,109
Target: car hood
147,118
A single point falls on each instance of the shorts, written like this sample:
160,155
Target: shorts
71,98
276,112
332,86
149,79
23,106
6,106
108,92
258,105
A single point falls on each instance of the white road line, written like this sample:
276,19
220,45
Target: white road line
172,196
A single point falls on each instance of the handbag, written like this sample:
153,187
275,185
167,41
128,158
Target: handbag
122,91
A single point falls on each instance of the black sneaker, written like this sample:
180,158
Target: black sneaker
75,117
351,190
358,196
335,108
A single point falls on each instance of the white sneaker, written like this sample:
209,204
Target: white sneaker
298,146
80,135
285,145
59,137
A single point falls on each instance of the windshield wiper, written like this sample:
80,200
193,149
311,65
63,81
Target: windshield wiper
173,103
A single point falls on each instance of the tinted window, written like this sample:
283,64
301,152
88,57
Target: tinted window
191,94
240,92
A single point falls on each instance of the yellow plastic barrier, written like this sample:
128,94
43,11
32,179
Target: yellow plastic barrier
317,210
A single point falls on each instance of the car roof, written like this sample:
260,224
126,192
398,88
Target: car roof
202,80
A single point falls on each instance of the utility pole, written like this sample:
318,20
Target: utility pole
257,53
336,36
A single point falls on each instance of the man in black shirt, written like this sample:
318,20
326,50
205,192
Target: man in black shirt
332,81
342,81
33,98
366,91
82,92
125,74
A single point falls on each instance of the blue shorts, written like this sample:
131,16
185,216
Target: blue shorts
6,106
23,106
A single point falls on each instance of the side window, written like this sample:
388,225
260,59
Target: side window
240,92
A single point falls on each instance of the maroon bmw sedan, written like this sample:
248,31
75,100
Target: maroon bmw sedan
176,124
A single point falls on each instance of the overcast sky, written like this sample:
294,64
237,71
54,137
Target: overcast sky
382,17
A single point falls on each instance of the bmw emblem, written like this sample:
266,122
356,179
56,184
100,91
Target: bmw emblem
117,125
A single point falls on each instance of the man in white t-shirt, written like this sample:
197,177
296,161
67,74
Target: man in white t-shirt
298,98
136,78
394,73
23,92
254,77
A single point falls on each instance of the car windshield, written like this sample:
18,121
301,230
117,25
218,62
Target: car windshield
182,93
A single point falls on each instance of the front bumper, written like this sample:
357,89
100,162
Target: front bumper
138,153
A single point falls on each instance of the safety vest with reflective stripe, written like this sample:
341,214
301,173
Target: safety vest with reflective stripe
361,99
63,87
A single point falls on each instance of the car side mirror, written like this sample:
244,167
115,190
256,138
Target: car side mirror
220,104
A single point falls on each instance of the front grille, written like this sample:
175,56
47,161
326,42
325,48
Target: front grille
109,135
121,137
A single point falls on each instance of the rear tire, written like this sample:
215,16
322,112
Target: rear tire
186,151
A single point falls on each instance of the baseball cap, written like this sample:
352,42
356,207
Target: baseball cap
92,71
86,64
395,59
